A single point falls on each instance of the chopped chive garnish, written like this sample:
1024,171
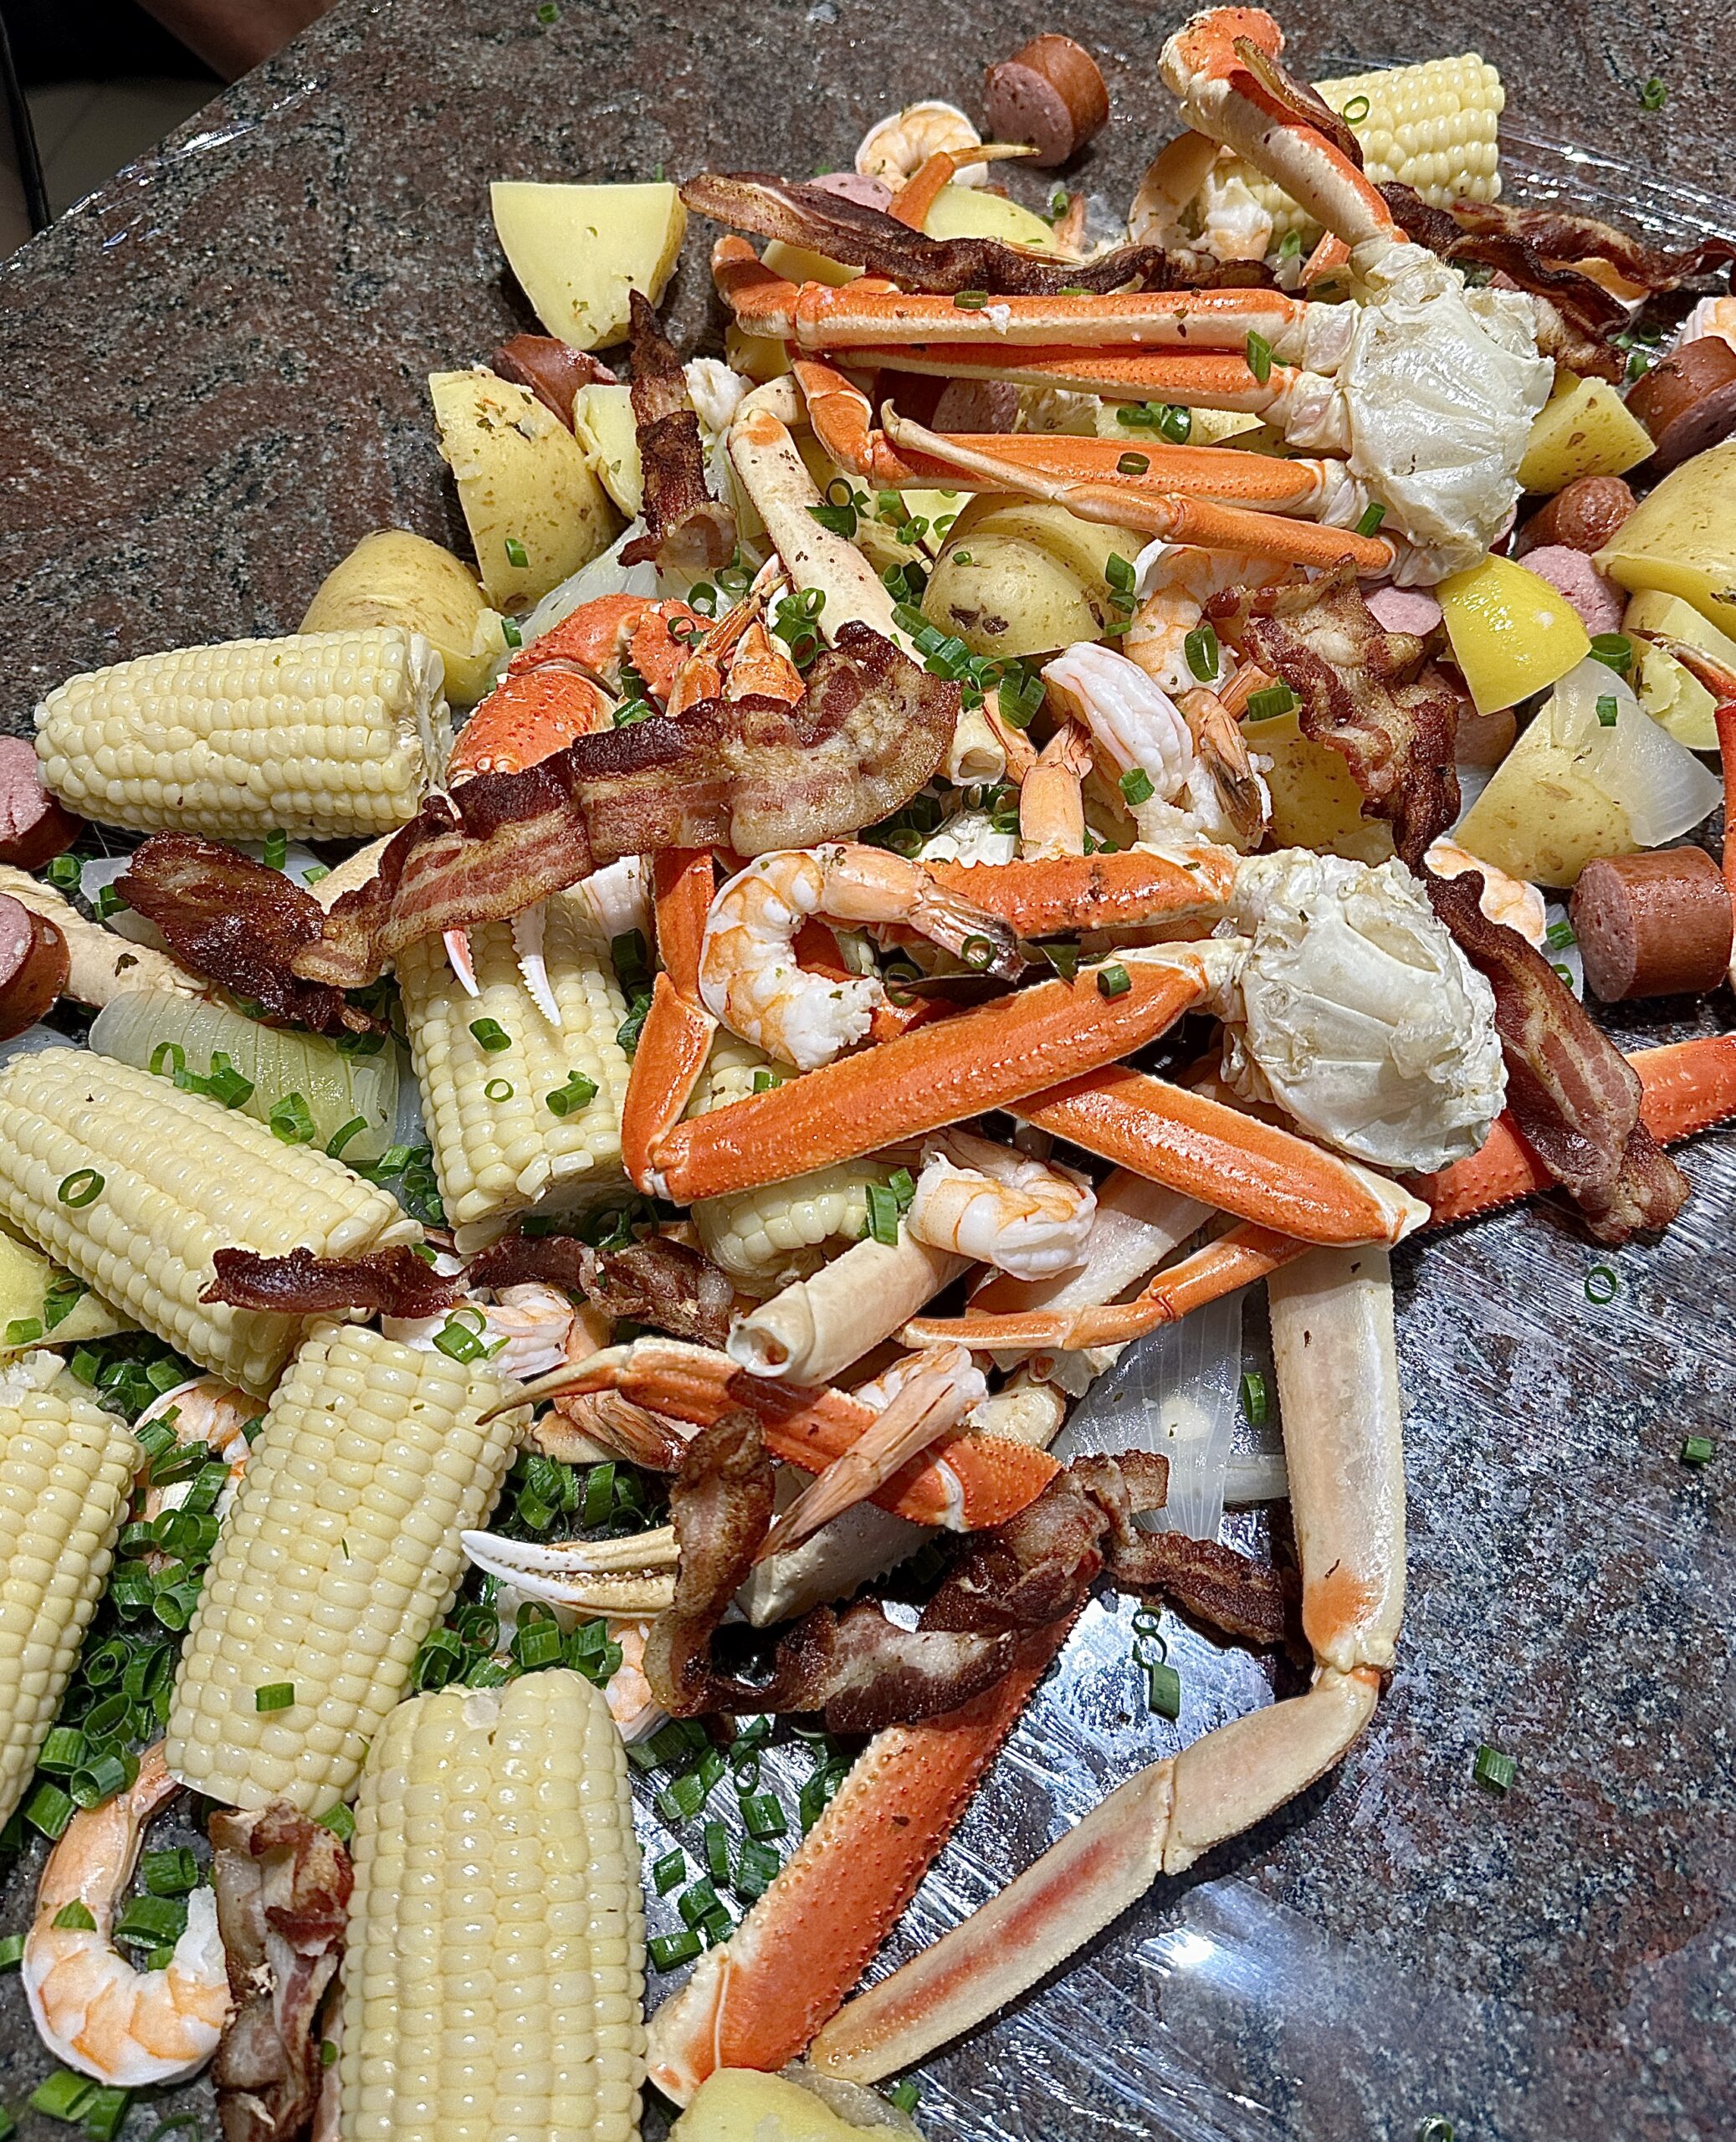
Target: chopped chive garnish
491,1035
883,1215
109,902
75,1918
277,848
1136,785
976,953
292,1120
756,1867
1372,516
904,2095
459,1341
1063,954
1133,465
670,1871
1608,709
49,1809
763,1081
1356,110
1255,1401
579,1092
763,1815
12,1951
1602,1284
498,1089
1269,704
23,1330
1290,246
63,2096
148,1920
697,1899
1696,1450
667,1951
717,1851
340,1821
1259,357
83,1187
1175,423
171,1873
1493,1768
1435,2129
1120,573
1114,980
328,2052
510,632
275,1695
970,301
341,1136
1163,1688
902,1185
63,1750
65,874
1615,650
1654,95
1558,935
536,1644
516,554
1201,649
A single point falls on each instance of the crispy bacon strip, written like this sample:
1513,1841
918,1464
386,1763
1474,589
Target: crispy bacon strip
770,207
231,919
1255,1602
1575,1097
553,371
687,530
1296,99
664,1284
860,1669
1558,236
385,1282
1375,697
283,1887
749,774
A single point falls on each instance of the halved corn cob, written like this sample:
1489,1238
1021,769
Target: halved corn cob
500,1147
1432,126
134,1187
66,1469
340,1554
494,1968
326,735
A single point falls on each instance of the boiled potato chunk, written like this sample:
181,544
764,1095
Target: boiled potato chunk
25,1277
534,506
579,249
1542,816
1023,579
1315,801
1681,538
797,264
1084,547
1584,429
602,422
1512,633
965,212
739,2104
392,578
1667,691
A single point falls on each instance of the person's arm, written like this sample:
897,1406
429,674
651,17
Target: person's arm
231,36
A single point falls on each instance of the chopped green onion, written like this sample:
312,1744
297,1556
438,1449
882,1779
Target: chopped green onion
510,632
1602,1284
756,1867
1615,650
340,1821
171,1873
976,953
1120,573
1201,649
65,874
60,1298
579,1092
1175,423
82,1187
1063,954
49,1809
1269,704
1372,516
498,1089
1655,94
1290,246
63,2096
762,1815
970,301
1133,465
12,1951
23,1330
516,554
717,1851
667,1951
1608,708
1435,2129
883,1215
1114,980
277,848
670,1871
1259,357
1558,935
75,1918
763,1081
1697,1450
341,1136
697,1899
458,1342
904,2095
1254,1398
902,1185
1163,1688
491,1034
109,902
328,2052
536,1644
292,1120
1136,785
1356,110
150,1919
275,1695
63,1750
1493,1768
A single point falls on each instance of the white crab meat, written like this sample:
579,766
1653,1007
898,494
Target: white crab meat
1358,1014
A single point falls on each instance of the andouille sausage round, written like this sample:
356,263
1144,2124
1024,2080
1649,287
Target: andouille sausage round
34,966
1687,402
1051,93
1582,516
1657,925
33,829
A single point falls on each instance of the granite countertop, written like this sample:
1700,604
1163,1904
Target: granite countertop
212,375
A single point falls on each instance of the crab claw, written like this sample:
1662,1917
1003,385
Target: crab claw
457,958
633,1576
527,940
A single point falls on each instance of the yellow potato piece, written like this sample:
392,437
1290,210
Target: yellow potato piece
25,1277
1681,539
1669,694
579,249
1512,633
797,264
967,211
1584,429
534,506
1315,801
1542,817
392,578
602,422
1021,579
739,2104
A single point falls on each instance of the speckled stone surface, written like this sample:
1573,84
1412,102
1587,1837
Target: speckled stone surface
210,375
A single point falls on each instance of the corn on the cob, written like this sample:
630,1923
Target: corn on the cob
340,1554
326,735
500,1147
495,1967
134,1187
1432,126
66,1469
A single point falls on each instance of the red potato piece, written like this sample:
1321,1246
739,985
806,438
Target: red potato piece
1052,94
1657,925
1583,514
552,370
34,966
1688,401
1600,602
33,829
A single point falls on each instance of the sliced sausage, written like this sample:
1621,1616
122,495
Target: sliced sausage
1051,93
1688,401
865,191
1582,516
1404,610
33,829
1657,925
1599,602
34,966
553,371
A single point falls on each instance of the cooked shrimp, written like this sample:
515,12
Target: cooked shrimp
634,1708
1031,1218
533,1321
748,977
1177,580
95,2011
897,148
1710,316
1138,727
1521,906
204,1410
953,1361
